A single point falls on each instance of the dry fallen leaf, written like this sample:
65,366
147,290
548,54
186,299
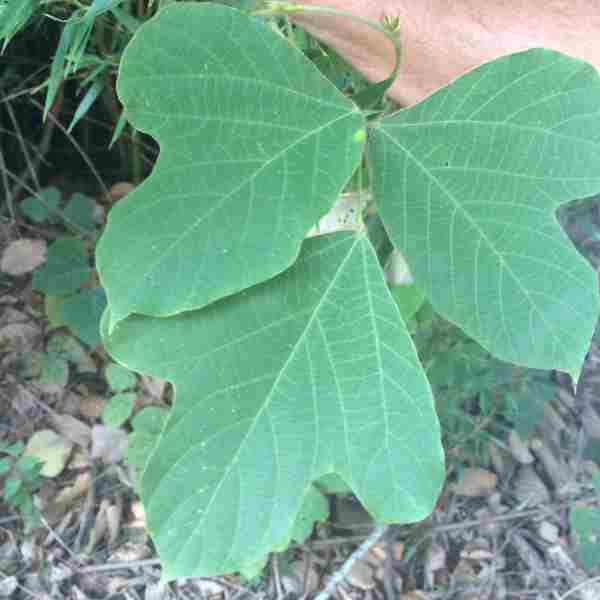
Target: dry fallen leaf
52,449
108,444
18,337
131,551
73,429
342,217
475,482
361,576
64,500
23,256
92,406
120,189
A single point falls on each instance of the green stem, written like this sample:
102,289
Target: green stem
275,9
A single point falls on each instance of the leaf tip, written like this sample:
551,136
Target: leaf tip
574,374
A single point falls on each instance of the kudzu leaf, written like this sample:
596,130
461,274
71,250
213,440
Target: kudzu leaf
467,183
256,145
332,484
310,373
315,507
150,420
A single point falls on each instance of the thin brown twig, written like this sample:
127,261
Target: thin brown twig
43,148
276,577
341,574
58,539
9,197
119,566
79,149
30,166
528,513
388,584
81,231
579,587
22,587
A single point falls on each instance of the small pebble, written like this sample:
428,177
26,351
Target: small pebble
519,449
361,576
549,532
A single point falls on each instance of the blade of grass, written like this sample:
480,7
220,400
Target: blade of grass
86,103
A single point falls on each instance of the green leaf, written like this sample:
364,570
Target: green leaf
147,426
14,16
29,467
53,369
467,183
118,409
119,378
66,269
118,129
310,373
140,445
333,484
315,507
86,103
66,347
255,146
81,312
528,398
6,465
409,298
585,524
150,420
14,449
57,68
79,210
12,487
37,211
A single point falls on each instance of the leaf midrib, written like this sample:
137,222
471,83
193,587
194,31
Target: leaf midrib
269,397
225,198
477,228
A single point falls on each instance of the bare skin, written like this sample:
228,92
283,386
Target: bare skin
443,39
